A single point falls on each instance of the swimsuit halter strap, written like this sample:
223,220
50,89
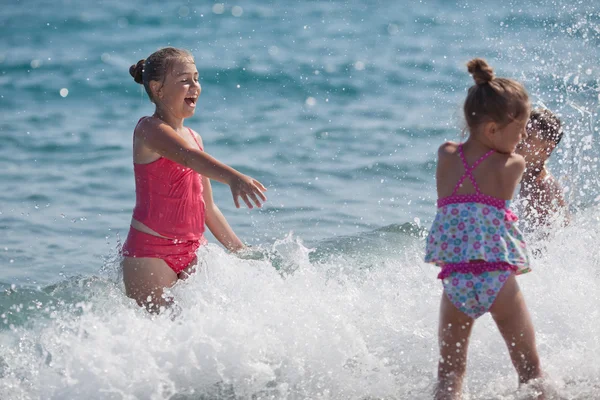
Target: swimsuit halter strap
469,169
195,139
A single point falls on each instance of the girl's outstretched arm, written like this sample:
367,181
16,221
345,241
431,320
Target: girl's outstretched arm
216,222
556,199
162,139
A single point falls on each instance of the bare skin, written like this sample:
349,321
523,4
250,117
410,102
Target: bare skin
164,135
145,280
544,197
511,316
543,193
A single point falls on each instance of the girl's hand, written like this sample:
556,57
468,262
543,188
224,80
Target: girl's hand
248,189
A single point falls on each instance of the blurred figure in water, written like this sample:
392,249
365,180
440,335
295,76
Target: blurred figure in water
542,196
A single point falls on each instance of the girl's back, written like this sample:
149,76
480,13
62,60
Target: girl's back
497,175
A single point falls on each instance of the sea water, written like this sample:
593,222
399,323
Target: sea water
338,107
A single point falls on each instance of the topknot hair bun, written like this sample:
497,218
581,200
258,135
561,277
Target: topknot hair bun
136,71
481,71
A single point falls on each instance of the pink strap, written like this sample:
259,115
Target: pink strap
196,140
469,170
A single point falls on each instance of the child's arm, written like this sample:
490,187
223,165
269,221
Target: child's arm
162,139
545,200
556,193
445,153
556,199
216,222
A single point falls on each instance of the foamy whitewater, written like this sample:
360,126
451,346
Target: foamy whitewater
338,107
340,325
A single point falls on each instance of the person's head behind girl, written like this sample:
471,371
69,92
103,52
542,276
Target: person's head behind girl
170,78
496,109
544,134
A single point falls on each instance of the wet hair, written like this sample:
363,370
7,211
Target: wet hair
547,125
491,99
156,67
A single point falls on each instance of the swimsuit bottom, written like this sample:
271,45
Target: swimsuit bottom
178,254
474,294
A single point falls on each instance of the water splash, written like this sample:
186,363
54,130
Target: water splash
346,326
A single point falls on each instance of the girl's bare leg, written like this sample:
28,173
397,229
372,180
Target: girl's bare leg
189,271
145,280
512,318
454,331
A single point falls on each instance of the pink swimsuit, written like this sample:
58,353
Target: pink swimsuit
475,241
169,201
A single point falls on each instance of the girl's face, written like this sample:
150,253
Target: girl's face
180,90
508,138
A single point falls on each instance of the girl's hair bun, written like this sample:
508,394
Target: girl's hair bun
137,70
481,71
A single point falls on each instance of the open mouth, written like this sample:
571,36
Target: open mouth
191,101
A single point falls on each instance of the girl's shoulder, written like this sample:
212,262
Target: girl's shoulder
446,153
147,124
448,148
509,165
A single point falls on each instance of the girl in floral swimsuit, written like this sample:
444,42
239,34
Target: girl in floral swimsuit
474,238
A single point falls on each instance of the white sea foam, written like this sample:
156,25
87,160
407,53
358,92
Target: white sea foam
350,327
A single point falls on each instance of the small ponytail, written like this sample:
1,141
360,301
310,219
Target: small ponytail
136,71
480,70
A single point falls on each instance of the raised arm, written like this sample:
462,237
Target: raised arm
162,139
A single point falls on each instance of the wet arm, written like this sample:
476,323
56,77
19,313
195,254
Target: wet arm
162,139
216,222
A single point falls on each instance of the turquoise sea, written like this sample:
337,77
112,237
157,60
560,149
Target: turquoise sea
338,107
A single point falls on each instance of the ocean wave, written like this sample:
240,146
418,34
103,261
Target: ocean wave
346,318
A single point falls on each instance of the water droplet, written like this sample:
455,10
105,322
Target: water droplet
64,92
184,11
237,11
393,29
218,8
